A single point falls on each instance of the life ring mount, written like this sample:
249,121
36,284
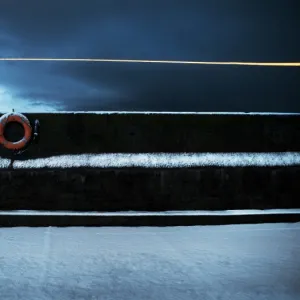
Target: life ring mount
18,118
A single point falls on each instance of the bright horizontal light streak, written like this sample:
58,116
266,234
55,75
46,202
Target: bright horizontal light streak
265,64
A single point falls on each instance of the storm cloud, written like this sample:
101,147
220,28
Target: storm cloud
213,30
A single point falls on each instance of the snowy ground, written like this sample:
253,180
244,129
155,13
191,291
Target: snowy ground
211,262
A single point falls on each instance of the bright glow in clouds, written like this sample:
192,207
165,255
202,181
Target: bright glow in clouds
8,102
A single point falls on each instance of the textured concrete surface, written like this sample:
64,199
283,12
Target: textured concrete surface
238,262
207,188
76,133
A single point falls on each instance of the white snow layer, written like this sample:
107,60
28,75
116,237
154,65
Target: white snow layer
167,113
159,160
156,213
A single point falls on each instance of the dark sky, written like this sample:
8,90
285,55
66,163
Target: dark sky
211,30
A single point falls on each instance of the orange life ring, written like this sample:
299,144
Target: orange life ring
21,119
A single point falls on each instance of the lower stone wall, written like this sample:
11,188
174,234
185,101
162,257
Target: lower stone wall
207,188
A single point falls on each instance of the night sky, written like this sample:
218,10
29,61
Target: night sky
211,30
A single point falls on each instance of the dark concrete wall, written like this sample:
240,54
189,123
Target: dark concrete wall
134,133
146,189
155,189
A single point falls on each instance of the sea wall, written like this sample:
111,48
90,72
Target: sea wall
71,133
206,188
203,186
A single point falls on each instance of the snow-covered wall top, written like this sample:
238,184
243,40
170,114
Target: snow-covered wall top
165,113
158,160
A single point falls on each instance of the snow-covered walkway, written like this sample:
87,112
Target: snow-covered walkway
233,262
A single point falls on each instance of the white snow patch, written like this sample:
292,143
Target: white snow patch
160,160
4,163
